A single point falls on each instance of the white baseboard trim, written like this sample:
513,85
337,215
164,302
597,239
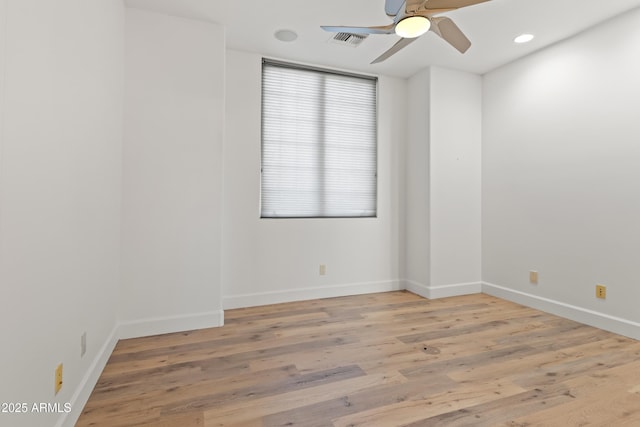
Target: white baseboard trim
170,324
88,382
302,294
443,291
588,317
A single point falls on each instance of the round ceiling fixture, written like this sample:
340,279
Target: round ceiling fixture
412,27
523,38
286,35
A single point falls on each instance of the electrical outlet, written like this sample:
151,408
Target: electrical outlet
601,291
533,277
58,383
323,269
83,344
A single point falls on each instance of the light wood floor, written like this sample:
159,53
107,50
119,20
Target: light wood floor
391,359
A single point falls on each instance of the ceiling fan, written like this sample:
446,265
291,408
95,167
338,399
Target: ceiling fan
413,18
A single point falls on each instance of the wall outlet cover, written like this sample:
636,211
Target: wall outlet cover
58,384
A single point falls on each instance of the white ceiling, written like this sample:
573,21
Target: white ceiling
490,26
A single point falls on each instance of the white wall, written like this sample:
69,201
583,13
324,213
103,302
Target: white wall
455,195
272,260
443,183
417,208
561,191
172,196
61,80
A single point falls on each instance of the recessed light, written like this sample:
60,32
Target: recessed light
523,38
285,35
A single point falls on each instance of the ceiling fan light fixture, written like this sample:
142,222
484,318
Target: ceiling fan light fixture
412,27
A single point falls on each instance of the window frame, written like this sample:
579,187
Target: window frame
306,67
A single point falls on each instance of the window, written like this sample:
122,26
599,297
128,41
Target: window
319,155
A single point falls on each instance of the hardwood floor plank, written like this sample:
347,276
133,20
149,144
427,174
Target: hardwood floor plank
465,362
211,347
604,398
612,353
120,414
386,359
359,401
523,367
259,349
426,406
263,388
499,411
192,419
249,411
164,395
465,328
325,358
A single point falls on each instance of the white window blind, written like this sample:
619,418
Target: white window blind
319,154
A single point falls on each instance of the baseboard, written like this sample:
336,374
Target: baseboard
170,324
302,294
443,291
88,382
588,317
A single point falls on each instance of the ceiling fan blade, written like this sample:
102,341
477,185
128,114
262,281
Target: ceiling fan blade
392,7
450,4
383,29
449,31
394,49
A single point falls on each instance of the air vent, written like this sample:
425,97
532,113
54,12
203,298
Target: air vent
348,39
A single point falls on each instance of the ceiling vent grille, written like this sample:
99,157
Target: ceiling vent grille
348,39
